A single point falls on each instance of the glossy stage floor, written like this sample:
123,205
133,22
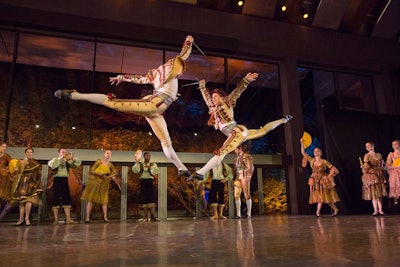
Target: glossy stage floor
281,240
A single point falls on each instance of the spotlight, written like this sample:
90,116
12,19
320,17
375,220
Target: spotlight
195,134
37,126
73,127
150,133
240,3
305,15
283,8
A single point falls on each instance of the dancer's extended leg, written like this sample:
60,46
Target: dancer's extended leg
257,133
160,129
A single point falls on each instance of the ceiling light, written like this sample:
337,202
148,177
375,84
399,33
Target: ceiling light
283,8
240,3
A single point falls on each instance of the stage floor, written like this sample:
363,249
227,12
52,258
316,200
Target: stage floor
280,240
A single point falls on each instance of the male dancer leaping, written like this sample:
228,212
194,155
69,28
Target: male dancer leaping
165,82
220,107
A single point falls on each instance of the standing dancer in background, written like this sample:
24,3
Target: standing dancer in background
26,185
62,197
373,182
148,174
220,106
165,82
393,167
244,171
321,181
98,185
5,181
219,176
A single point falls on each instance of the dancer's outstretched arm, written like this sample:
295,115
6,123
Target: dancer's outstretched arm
206,95
131,78
233,97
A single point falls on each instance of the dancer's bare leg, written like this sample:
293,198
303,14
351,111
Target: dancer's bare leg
21,214
105,213
28,208
375,205
89,207
319,206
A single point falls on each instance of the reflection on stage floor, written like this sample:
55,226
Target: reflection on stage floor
271,240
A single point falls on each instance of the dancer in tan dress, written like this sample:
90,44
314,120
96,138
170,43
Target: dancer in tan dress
321,181
373,188
393,167
5,181
26,185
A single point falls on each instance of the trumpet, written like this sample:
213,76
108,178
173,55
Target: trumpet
68,156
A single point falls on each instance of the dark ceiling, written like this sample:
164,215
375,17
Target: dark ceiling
374,18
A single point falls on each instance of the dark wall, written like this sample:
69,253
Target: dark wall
165,23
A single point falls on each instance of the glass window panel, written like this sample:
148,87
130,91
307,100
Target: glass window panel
317,88
5,72
126,59
55,52
198,67
37,118
7,46
269,76
355,92
6,57
259,104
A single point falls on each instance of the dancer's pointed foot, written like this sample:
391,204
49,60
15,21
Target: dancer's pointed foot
375,213
185,173
214,217
64,94
70,221
19,223
335,212
189,38
318,214
288,117
381,213
195,175
186,48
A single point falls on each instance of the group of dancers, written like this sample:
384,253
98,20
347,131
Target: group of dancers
165,82
221,105
373,167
